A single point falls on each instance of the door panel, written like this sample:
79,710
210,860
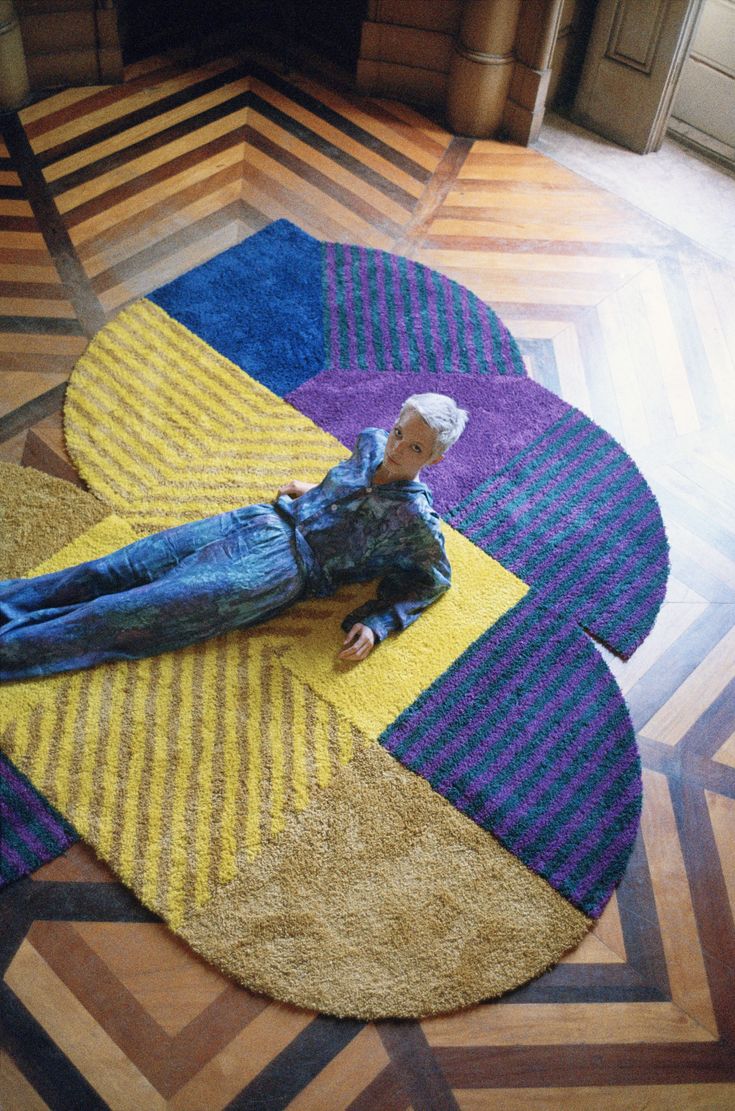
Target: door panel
704,108
634,59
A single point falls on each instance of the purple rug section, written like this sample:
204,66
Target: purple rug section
528,735
32,832
506,415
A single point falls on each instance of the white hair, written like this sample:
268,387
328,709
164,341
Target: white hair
443,416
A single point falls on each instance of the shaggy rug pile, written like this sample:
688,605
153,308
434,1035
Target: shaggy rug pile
442,822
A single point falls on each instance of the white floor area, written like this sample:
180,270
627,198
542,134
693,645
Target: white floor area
675,185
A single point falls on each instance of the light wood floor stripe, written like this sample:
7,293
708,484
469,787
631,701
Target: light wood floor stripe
687,975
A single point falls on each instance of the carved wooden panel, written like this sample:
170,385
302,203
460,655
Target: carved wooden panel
633,62
635,33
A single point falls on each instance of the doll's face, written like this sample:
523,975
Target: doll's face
411,446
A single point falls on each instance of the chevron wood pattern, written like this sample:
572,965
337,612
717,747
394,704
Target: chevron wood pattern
105,193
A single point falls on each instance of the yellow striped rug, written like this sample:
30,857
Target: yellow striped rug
236,785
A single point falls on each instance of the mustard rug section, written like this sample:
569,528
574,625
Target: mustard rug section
166,430
38,516
180,768
382,900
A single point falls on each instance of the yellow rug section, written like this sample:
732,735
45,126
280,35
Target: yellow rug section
167,430
372,693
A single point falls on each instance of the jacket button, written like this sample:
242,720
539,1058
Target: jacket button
333,507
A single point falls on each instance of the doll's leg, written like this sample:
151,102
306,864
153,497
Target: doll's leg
245,578
29,601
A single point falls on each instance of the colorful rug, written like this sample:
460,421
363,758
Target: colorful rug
443,822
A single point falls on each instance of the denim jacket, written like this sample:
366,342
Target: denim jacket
351,531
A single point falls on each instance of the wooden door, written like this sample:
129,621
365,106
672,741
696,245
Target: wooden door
703,114
633,62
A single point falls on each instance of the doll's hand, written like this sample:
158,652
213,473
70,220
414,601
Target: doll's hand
359,643
294,488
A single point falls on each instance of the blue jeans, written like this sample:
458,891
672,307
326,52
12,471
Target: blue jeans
163,592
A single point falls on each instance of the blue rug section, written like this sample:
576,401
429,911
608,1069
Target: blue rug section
259,304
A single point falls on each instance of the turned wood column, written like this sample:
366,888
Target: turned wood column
538,28
482,67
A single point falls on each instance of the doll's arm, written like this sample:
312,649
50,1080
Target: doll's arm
294,488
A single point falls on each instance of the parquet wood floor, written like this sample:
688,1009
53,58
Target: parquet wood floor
105,193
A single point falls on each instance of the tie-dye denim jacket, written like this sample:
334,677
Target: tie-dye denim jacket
356,532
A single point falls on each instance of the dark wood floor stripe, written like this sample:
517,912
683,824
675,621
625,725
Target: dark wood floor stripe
299,1063
45,291
713,728
121,124
26,415
421,1076
587,983
351,200
11,193
593,352
578,1065
441,182
689,339
638,914
41,325
711,903
333,152
24,224
142,147
385,1092
88,309
58,1082
18,361
342,123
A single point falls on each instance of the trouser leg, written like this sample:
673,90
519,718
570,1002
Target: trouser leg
29,601
245,577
